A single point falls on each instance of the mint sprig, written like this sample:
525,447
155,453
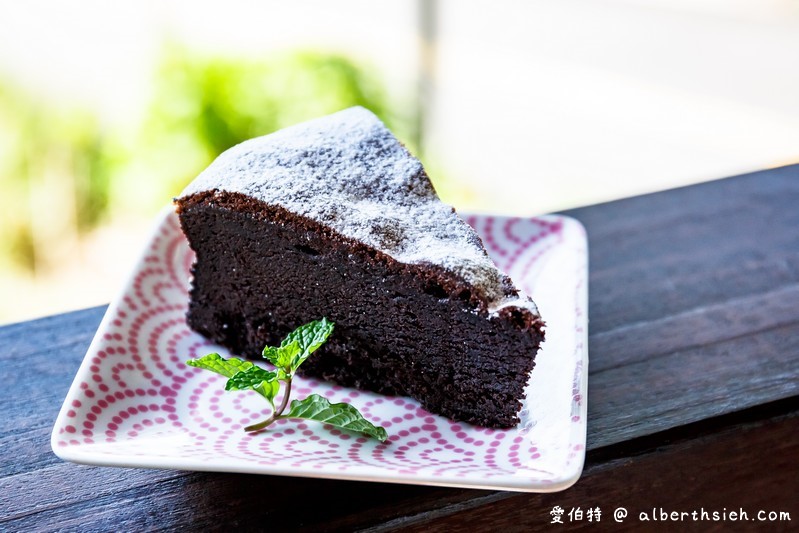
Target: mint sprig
287,358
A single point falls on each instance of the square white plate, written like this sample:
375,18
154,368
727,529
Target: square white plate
135,403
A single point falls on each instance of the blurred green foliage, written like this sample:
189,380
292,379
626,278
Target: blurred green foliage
46,151
60,168
204,105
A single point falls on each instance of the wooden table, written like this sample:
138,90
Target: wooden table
693,395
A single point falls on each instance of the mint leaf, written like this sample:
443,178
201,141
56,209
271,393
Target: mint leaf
282,356
309,337
268,389
271,354
216,363
340,415
256,378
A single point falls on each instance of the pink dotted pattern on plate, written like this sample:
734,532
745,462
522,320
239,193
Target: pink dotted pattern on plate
135,398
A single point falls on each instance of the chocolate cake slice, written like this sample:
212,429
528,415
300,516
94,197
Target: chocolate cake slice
334,218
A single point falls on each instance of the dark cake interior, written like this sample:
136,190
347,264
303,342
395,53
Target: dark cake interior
453,334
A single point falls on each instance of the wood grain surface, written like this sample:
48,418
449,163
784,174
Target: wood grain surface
693,393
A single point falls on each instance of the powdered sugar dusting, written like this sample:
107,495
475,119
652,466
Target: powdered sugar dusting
349,172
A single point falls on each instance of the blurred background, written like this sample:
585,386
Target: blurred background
107,109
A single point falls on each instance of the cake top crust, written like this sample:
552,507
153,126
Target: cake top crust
348,171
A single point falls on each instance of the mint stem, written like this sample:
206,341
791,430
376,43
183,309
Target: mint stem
275,414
